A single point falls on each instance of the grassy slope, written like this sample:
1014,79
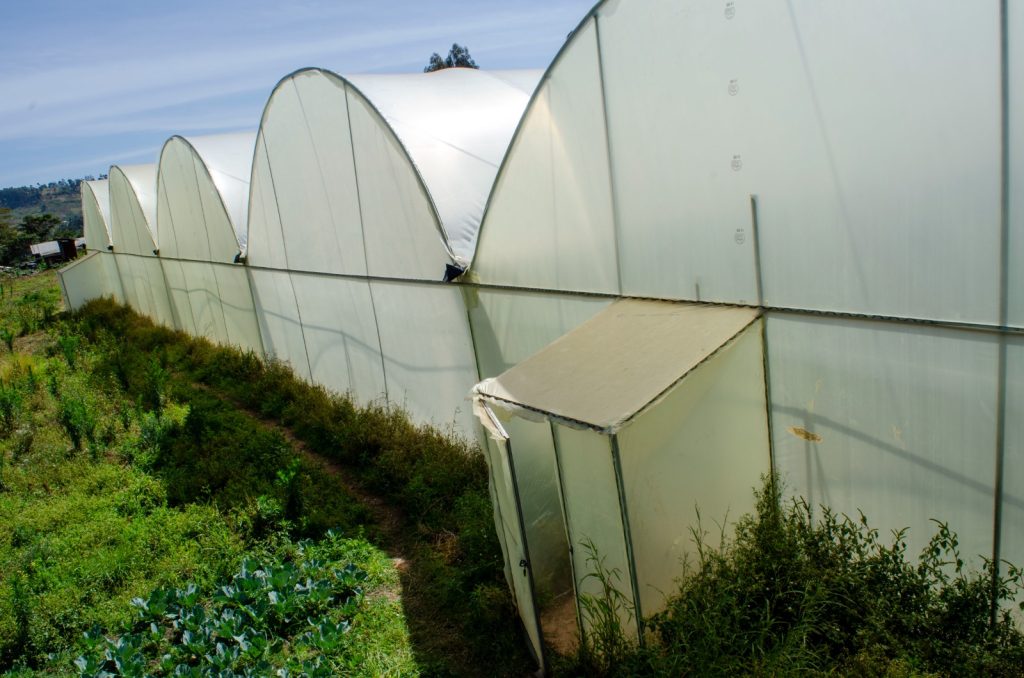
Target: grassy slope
82,531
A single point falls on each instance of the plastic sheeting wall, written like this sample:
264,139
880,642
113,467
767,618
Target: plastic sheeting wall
202,190
133,229
810,157
897,421
703,447
873,148
348,246
84,279
96,227
593,515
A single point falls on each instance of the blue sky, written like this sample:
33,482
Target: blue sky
87,85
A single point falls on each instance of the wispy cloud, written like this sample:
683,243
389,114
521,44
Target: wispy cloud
74,80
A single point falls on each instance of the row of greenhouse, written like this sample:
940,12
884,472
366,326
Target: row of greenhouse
711,241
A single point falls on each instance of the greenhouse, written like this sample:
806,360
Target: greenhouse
643,392
367,193
709,242
202,203
851,177
96,274
133,230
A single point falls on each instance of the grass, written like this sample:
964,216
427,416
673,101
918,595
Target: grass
457,604
137,460
108,494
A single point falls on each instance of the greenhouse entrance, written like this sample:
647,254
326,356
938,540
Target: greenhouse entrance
658,423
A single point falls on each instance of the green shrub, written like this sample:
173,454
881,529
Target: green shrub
790,594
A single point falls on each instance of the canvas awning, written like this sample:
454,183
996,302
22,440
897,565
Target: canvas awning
610,368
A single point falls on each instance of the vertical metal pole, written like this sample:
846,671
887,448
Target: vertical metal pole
755,226
755,229
997,521
627,536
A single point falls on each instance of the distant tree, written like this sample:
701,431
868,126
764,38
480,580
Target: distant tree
73,227
458,57
13,242
38,227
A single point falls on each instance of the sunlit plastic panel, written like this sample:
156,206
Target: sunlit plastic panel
872,146
682,170
1012,541
201,311
305,205
428,353
277,313
691,462
158,304
234,297
510,325
894,420
593,516
192,222
83,280
549,222
341,337
1015,25
402,235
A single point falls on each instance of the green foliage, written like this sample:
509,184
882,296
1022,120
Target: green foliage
790,594
39,227
458,56
606,648
301,611
35,309
7,335
438,481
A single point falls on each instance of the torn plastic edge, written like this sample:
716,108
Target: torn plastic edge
453,271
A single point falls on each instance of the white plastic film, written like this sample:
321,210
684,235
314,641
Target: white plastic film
234,296
278,316
549,221
341,335
894,420
702,447
132,225
684,224
456,125
541,506
400,230
509,532
1015,77
96,215
1012,537
594,519
83,280
428,353
195,219
305,205
510,325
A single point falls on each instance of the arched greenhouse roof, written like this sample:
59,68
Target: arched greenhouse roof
381,175
202,196
828,158
96,214
133,208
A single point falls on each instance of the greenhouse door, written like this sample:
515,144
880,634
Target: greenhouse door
511,532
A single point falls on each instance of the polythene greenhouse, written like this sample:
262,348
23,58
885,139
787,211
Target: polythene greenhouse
711,241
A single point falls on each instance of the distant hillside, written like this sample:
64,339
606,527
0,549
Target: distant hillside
62,199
